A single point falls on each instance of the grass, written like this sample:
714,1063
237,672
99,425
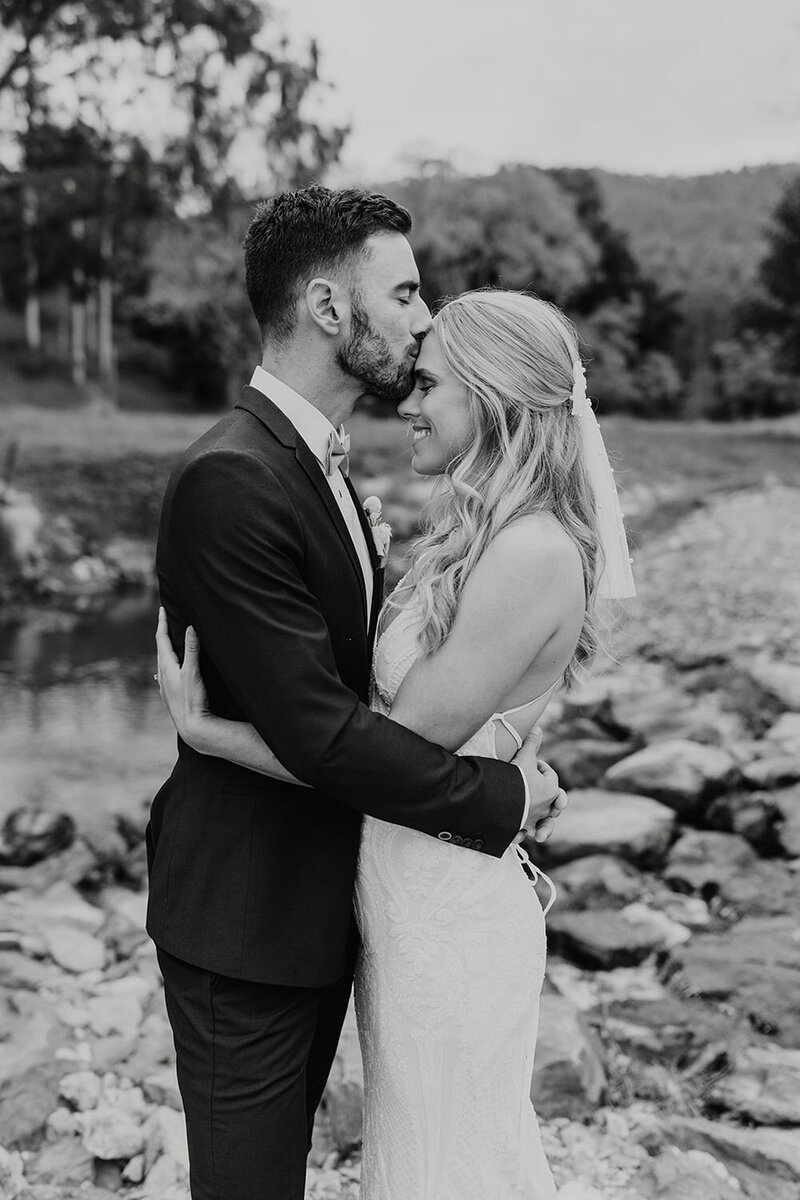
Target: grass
107,468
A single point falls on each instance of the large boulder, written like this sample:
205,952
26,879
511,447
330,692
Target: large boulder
569,1078
765,1161
633,827
787,801
784,735
581,762
600,938
772,771
703,860
754,815
763,1087
602,880
779,679
686,1175
678,773
754,966
29,1070
32,834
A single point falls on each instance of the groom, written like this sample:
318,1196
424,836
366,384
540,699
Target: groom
264,548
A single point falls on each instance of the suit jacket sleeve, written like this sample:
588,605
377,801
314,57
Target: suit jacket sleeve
235,536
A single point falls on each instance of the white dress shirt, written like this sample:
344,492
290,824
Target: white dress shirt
315,430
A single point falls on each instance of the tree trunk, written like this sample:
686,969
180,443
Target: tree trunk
78,308
33,320
105,314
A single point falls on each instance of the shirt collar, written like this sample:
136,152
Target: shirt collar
313,426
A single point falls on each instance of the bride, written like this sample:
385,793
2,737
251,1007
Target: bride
496,612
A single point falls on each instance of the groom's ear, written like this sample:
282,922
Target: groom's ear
327,305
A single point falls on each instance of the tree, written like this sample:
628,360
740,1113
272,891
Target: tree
233,92
775,309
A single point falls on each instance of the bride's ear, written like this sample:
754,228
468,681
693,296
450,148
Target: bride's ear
327,306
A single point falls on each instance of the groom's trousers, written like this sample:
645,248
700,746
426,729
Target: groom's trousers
252,1061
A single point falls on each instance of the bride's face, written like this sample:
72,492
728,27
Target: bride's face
438,412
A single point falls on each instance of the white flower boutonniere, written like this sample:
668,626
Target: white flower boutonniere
381,530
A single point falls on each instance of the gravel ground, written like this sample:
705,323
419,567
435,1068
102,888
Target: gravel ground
724,581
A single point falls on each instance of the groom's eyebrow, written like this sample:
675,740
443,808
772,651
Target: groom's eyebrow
409,285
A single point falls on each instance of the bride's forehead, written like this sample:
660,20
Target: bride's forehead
430,356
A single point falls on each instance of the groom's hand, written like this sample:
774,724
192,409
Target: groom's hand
548,799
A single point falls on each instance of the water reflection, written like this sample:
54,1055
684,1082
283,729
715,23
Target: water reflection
82,726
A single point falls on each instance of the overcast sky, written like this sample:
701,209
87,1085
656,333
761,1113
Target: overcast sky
663,86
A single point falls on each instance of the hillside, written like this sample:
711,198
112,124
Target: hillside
697,233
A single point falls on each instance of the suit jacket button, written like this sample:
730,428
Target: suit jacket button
457,840
468,843
445,837
477,844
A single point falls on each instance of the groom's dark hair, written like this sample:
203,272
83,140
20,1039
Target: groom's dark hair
297,235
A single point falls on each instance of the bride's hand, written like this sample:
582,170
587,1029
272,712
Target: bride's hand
182,688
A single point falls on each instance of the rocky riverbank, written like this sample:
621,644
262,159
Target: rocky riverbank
669,1053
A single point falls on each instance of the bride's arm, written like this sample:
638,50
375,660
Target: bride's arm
184,694
523,601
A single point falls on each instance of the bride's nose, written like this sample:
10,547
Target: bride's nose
408,409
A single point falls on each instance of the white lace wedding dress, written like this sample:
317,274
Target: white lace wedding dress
447,996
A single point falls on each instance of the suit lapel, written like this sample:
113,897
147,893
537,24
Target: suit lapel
278,423
378,572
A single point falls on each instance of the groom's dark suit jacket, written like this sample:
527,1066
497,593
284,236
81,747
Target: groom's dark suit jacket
250,877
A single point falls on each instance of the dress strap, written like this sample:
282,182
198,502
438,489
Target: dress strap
501,717
534,873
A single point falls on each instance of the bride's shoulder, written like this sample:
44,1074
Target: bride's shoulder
536,542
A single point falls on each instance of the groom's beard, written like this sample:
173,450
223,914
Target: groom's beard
368,357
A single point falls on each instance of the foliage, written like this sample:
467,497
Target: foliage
775,307
750,380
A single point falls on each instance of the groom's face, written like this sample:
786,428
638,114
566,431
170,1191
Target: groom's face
388,319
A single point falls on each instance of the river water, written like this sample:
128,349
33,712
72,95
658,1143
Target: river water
82,725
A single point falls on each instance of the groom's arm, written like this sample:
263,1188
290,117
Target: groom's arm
238,543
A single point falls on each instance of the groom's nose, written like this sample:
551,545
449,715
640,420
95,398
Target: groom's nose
422,318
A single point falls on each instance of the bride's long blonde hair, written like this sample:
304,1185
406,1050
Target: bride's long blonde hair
515,355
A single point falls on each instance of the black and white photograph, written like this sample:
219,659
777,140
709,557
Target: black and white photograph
399,600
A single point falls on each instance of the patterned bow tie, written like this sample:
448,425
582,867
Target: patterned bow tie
338,452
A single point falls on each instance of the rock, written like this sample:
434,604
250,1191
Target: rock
344,1104
161,1087
686,1175
768,1157
65,1161
597,879
776,770
764,1086
31,834
17,970
31,1034
81,1090
581,762
785,734
134,1169
165,1135
74,950
132,560
779,679
754,966
12,1180
787,802
62,1123
108,1175
569,1078
702,861
680,774
635,828
111,1133
665,932
71,866
754,815
599,938
113,1014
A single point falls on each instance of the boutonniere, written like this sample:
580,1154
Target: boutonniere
381,530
